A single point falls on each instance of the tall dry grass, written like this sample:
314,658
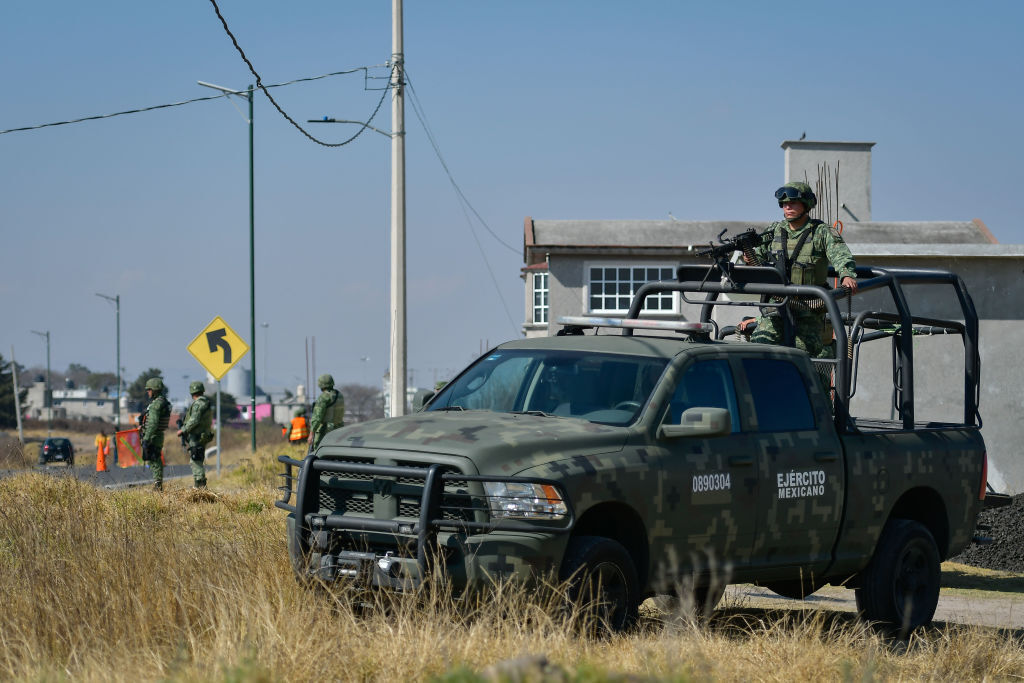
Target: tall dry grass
136,585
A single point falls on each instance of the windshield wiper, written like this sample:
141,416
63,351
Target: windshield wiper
451,408
538,413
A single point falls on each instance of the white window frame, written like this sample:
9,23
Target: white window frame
633,283
541,310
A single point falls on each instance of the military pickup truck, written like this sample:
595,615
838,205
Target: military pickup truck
653,454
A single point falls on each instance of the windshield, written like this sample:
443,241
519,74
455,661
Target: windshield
605,388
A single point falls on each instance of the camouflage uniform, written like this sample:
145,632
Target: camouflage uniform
328,411
809,266
158,414
198,431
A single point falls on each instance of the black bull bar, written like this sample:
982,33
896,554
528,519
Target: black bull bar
432,505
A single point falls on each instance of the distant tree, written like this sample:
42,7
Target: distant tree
101,380
362,403
8,417
137,398
77,374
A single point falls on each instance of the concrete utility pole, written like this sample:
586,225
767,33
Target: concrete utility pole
116,300
398,337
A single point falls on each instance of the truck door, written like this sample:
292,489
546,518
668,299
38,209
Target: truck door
712,517
800,464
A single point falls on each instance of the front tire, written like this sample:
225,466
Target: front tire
900,586
603,584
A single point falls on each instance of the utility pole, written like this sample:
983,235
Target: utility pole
49,392
398,336
17,402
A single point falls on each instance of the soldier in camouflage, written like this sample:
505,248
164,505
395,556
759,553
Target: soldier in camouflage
328,411
158,414
197,431
805,247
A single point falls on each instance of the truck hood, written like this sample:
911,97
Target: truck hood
496,443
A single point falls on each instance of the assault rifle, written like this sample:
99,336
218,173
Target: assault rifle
745,242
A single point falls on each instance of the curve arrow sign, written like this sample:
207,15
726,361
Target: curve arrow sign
216,338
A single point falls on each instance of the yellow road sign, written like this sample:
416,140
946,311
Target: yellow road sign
217,348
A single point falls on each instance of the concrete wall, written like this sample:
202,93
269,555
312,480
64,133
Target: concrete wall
804,157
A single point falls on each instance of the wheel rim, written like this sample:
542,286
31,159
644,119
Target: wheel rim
613,592
913,581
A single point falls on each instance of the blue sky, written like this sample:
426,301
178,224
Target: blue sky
551,109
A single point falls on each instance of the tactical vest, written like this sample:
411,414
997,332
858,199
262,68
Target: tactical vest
797,252
163,413
334,412
202,432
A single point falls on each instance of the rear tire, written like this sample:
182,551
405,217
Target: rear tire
900,586
603,583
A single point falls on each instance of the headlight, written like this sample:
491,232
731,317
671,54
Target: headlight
524,501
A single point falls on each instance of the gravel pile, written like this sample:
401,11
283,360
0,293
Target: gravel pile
1006,551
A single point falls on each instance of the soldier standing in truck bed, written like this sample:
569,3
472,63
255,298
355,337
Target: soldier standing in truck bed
804,247
328,411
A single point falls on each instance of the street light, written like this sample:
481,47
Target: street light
247,94
49,395
266,348
116,300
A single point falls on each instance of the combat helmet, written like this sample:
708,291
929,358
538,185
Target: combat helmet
800,192
325,381
196,387
155,384
299,412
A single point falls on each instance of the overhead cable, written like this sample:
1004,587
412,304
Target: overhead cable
417,109
259,84
178,104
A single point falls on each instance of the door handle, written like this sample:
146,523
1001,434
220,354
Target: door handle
827,456
741,460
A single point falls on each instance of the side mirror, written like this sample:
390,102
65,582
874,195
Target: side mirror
699,422
420,399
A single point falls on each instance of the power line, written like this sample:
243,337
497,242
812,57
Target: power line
177,104
259,84
417,107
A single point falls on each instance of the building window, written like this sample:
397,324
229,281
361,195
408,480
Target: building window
612,288
540,298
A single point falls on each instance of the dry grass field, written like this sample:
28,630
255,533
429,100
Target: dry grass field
195,586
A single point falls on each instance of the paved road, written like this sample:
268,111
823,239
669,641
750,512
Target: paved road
115,478
981,608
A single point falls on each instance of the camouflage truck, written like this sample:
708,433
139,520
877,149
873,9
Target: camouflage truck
661,456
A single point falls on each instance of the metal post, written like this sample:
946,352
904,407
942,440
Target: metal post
398,336
252,287
117,404
218,428
252,258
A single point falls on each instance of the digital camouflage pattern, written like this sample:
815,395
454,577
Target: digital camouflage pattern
198,425
158,414
328,412
822,247
757,504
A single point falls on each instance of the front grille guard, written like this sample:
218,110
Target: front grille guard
432,508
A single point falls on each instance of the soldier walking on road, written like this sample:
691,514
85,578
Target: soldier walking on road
328,411
158,414
197,431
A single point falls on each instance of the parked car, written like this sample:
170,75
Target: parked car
56,449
